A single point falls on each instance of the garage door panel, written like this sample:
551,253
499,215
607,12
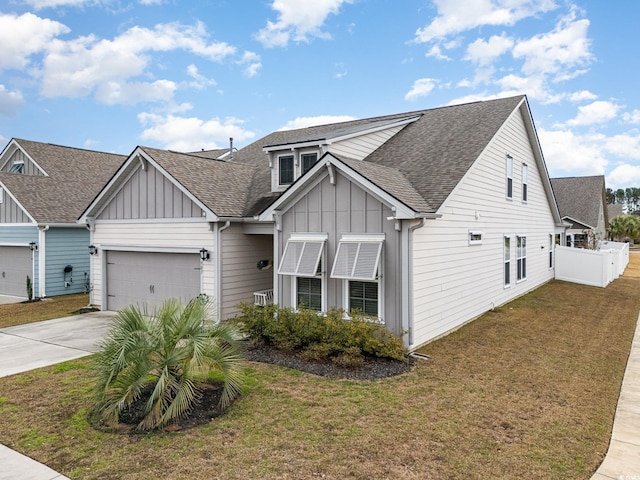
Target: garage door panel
15,264
150,278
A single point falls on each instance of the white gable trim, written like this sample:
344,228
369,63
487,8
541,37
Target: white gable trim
138,159
12,148
7,193
302,186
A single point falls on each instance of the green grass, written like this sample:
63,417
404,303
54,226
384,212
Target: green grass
526,391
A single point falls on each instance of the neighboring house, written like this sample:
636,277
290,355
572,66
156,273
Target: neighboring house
614,210
582,204
424,219
43,190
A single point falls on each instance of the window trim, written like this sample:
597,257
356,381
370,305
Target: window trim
1,195
475,237
509,179
552,244
287,156
360,240
506,261
521,258
525,182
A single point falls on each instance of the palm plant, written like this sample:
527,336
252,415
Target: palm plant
167,356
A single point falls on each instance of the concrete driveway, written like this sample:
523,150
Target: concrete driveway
36,345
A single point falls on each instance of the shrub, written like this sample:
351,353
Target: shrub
330,336
160,362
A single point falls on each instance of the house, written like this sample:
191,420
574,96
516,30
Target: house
424,219
43,190
582,204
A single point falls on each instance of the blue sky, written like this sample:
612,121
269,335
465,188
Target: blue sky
112,74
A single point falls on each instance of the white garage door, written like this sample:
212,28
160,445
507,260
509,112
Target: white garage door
15,264
149,278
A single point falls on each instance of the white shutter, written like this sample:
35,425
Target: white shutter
301,257
357,260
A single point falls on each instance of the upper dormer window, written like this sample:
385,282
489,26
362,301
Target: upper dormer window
17,167
285,170
308,161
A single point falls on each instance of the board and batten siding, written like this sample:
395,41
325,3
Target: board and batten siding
344,208
29,167
21,236
10,211
66,246
361,146
453,281
149,194
239,258
156,236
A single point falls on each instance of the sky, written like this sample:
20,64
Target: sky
109,75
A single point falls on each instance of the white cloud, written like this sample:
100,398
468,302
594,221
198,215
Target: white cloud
303,122
596,112
251,62
199,81
40,4
436,52
624,176
81,66
559,53
112,93
9,101
24,35
297,21
188,134
455,16
484,52
582,95
421,88
633,117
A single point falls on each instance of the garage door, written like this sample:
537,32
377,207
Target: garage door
15,265
150,278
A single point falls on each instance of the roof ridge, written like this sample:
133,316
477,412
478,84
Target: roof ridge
18,140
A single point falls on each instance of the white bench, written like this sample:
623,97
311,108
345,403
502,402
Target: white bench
263,297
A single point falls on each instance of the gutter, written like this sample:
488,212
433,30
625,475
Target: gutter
218,266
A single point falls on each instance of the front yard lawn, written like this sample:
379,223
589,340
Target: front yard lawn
527,391
46,309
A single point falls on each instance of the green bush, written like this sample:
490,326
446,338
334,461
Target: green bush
330,336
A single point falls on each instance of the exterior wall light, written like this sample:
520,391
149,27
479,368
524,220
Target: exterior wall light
204,254
93,250
33,246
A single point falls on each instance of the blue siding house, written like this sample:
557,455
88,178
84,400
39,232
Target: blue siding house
43,190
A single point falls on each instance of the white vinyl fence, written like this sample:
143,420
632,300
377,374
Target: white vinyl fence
592,267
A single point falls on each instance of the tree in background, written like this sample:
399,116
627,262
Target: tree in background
623,227
628,197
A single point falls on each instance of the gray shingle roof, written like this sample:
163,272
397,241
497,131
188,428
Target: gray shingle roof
580,198
75,177
432,153
222,186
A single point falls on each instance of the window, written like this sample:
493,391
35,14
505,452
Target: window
509,176
357,258
302,260
309,293
524,182
475,237
507,261
551,246
363,296
17,167
308,161
521,257
285,170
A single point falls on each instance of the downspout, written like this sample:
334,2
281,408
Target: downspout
217,268
407,281
90,225
41,261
